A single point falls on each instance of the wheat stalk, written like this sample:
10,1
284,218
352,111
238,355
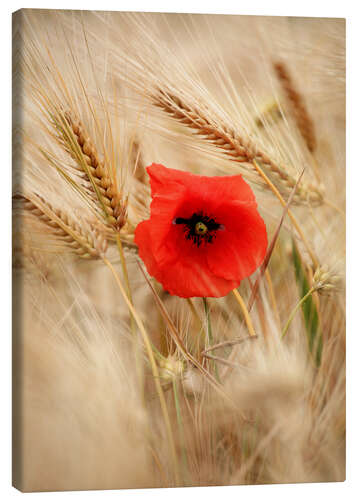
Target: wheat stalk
86,244
302,118
233,145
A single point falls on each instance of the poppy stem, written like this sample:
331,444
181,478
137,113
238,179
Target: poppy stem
209,333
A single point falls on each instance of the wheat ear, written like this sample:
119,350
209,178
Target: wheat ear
79,145
85,244
233,145
302,118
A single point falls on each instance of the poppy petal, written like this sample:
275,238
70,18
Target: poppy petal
186,279
240,249
160,176
143,241
163,212
211,190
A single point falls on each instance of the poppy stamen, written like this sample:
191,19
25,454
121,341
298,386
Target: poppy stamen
199,228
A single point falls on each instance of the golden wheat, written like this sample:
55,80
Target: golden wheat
227,140
300,112
103,185
83,240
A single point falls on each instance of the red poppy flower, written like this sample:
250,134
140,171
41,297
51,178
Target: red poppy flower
204,234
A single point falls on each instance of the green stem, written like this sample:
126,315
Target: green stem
209,334
294,311
180,425
157,353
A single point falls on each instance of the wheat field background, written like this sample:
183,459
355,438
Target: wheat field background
116,383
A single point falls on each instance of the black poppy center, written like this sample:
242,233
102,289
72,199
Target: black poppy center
199,228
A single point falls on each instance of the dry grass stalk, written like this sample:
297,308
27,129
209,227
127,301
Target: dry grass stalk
303,119
137,161
231,143
86,244
102,183
139,200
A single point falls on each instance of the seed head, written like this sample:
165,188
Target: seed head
325,281
171,368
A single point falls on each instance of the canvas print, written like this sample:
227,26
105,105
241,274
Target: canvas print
178,250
